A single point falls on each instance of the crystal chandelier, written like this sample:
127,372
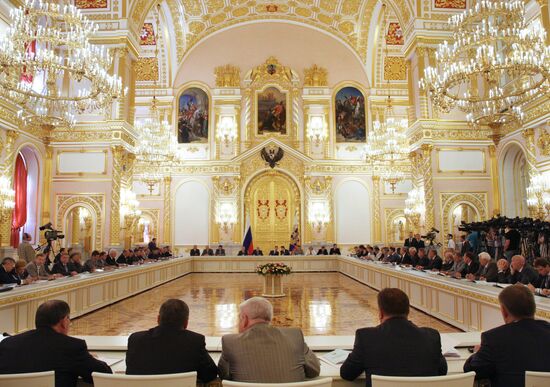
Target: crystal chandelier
46,45
129,206
538,196
317,129
7,195
496,64
415,206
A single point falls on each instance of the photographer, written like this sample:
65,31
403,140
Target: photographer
25,250
512,240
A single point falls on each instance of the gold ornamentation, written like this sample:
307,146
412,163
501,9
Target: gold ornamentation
65,202
450,4
226,186
315,76
449,201
395,35
228,76
317,185
90,4
544,142
426,170
390,215
395,68
531,154
147,36
147,69
376,208
118,155
167,211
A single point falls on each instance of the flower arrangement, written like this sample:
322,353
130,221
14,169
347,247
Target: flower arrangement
274,268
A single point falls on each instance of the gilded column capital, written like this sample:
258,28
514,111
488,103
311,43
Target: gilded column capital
426,149
492,150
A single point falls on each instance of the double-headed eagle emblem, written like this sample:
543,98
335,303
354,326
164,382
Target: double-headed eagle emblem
272,155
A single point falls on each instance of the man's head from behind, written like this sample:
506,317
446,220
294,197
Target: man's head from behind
173,314
253,311
54,314
392,302
517,303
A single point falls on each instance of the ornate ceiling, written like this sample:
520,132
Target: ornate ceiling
194,20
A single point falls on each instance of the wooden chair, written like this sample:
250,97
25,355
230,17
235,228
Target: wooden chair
460,380
324,382
187,379
32,379
537,379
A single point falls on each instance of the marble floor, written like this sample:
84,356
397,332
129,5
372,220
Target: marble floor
319,303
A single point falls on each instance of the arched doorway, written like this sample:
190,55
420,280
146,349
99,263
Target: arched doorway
272,200
514,177
79,226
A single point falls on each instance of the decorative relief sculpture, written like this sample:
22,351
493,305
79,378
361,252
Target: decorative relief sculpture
272,155
227,76
315,76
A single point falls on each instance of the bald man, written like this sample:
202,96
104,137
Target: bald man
262,353
521,272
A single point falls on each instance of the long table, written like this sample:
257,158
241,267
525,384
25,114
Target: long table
113,348
464,304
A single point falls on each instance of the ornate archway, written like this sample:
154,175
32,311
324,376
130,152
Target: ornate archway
449,201
94,203
272,200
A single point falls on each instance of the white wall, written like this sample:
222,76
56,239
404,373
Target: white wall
191,214
352,213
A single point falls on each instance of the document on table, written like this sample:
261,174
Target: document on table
338,356
448,345
109,360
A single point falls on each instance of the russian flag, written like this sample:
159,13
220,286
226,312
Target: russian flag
248,243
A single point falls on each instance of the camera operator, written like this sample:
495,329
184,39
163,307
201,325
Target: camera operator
25,251
512,240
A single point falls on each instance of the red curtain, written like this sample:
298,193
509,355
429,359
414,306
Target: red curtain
20,211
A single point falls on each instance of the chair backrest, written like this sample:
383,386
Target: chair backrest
187,379
33,379
460,380
322,382
537,379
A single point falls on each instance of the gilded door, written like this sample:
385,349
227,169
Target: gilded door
273,204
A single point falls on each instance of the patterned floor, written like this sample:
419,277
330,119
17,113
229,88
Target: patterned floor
319,303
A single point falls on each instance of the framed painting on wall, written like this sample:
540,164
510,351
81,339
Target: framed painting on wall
272,111
350,115
193,105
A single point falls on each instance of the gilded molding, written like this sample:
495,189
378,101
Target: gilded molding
167,210
390,215
95,201
315,76
427,176
544,142
376,209
118,155
228,76
8,169
449,200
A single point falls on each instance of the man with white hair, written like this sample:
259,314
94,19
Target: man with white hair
487,269
262,353
521,272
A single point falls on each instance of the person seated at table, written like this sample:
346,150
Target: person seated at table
61,267
522,272
487,269
207,251
448,262
470,265
93,263
435,262
275,251
262,353
75,263
21,270
9,274
170,347
50,348
310,251
257,251
62,250
396,347
542,287
458,265
194,252
124,258
37,270
111,259
297,250
284,251
503,274
520,345
334,250
422,261
322,251
220,251
166,253
242,251
154,255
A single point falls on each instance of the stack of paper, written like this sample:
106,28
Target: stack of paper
338,356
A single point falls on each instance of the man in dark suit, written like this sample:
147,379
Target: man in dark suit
470,267
50,348
418,242
520,345
125,257
257,251
275,251
284,251
409,241
170,348
423,261
207,251
111,258
487,269
521,272
503,273
153,244
334,250
322,251
242,251
61,267
220,251
435,262
396,347
542,287
194,252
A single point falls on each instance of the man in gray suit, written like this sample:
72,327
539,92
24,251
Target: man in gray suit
261,353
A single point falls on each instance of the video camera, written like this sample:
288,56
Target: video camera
430,236
51,234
